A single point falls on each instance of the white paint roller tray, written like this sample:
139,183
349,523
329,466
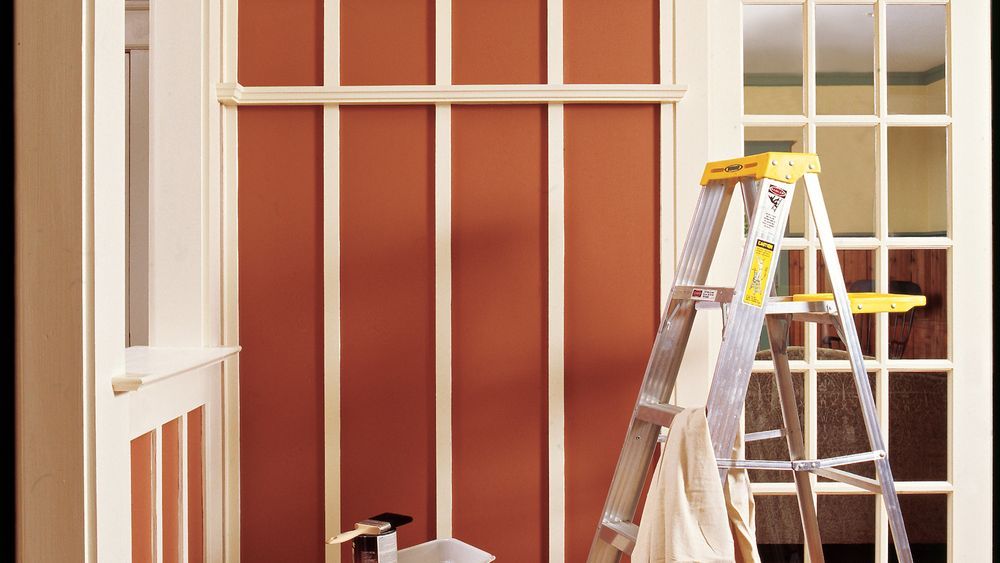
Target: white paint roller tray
444,551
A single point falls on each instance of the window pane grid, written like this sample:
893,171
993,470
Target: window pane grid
888,372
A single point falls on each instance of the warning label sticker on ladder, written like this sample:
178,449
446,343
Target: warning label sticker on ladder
760,265
704,294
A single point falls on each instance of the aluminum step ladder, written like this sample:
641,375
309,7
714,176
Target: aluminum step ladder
767,182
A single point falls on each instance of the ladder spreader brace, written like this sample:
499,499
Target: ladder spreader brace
767,182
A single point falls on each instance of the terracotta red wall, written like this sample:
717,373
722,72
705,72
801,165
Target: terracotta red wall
611,295
499,367
387,42
281,331
611,42
498,42
387,316
280,43
612,252
499,285
499,274
281,287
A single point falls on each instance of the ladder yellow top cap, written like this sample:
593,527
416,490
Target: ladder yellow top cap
871,302
785,167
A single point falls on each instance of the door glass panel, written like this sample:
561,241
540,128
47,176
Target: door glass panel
926,518
847,526
779,528
848,157
772,61
845,59
842,429
763,412
922,332
918,181
918,426
916,46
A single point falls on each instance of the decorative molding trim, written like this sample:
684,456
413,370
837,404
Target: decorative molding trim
234,94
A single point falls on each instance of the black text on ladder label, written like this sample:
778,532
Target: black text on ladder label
769,204
760,267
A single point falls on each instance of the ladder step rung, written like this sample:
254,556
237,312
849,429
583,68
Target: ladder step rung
703,293
786,306
770,464
765,435
660,415
800,465
621,535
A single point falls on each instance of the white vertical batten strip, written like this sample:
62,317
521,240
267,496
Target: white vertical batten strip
556,289
443,476
331,325
668,222
331,42
229,171
331,281
668,236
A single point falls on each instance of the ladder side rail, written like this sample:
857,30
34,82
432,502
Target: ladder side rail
750,189
746,314
693,266
664,364
849,336
777,331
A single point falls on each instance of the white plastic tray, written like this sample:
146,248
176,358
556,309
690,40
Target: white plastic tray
444,551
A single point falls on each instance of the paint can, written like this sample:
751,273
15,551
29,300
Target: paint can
381,548
374,539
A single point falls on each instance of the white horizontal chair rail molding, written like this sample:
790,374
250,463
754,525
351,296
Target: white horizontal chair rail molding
234,94
145,365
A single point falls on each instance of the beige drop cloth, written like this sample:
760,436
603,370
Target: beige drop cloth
688,515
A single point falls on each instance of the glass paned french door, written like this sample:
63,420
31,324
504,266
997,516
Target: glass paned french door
864,85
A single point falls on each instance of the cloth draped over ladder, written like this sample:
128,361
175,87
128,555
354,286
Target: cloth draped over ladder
689,515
